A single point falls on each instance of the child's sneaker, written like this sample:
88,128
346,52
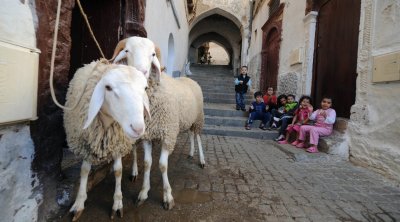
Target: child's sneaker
273,126
283,142
276,119
300,145
261,126
280,137
312,149
295,143
247,127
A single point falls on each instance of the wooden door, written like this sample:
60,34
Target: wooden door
111,21
272,30
271,59
336,54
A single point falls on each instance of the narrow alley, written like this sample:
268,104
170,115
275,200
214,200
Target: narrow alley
249,179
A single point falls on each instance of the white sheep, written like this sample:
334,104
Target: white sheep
110,102
176,105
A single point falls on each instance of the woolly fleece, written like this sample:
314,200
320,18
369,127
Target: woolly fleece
176,105
94,144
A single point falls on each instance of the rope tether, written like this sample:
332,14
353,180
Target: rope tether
53,52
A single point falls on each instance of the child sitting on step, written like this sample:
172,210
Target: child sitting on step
301,117
324,119
286,117
270,99
258,111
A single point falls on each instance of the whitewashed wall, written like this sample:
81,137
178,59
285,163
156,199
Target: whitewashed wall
18,202
374,129
160,23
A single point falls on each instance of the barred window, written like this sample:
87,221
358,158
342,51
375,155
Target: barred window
273,7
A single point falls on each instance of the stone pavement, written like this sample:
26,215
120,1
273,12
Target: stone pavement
250,180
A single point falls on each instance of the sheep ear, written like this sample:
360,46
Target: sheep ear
157,67
121,55
146,105
95,103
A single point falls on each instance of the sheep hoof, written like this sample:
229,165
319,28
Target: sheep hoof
132,178
190,157
77,215
202,165
114,212
139,202
169,206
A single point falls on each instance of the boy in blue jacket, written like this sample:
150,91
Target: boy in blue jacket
258,111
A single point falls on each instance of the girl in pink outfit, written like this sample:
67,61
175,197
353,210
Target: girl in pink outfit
324,119
301,117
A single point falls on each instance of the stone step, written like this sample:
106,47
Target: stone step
216,100
239,132
211,94
237,121
223,110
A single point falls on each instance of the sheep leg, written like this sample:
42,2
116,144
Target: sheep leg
191,153
135,171
117,206
79,204
201,154
168,199
146,176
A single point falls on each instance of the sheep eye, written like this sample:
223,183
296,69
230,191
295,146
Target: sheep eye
126,51
153,54
108,88
146,88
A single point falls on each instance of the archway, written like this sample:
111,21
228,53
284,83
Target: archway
196,49
224,30
171,55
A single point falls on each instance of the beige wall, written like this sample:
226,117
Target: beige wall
219,55
293,38
374,129
160,25
17,23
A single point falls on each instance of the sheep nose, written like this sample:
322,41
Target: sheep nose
137,130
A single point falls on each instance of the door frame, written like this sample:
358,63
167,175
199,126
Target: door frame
274,22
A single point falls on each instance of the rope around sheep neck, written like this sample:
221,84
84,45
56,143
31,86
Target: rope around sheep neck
53,52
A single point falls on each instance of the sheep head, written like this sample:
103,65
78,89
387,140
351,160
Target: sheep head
120,95
140,53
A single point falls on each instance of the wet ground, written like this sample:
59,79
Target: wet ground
249,180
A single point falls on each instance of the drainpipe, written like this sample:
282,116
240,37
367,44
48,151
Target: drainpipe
250,24
175,13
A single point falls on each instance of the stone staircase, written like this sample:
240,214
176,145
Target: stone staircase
221,117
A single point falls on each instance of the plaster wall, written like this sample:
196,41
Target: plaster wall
19,200
236,8
161,24
373,127
17,23
218,54
293,38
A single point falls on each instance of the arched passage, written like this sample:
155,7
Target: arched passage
225,30
210,37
